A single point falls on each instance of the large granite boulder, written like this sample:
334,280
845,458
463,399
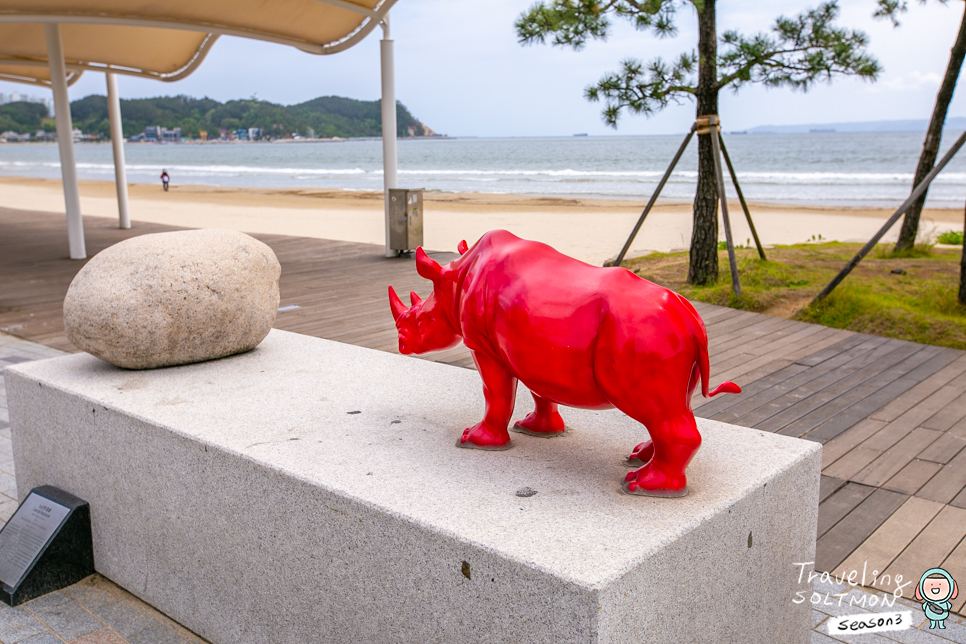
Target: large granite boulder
174,298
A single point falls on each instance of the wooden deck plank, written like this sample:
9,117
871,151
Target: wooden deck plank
828,353
759,388
851,463
874,381
913,476
828,486
948,482
848,534
955,565
932,545
894,459
778,385
759,368
901,426
861,410
944,449
808,400
837,506
885,544
949,415
923,390
848,440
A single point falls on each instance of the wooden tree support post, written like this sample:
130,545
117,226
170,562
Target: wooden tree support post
741,198
653,199
709,125
916,193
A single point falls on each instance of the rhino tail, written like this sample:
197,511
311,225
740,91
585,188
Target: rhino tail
704,369
726,387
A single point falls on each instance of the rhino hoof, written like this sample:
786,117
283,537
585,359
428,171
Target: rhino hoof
487,448
668,494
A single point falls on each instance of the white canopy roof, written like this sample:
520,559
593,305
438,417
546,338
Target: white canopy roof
167,41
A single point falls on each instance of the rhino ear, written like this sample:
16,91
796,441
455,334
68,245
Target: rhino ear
427,267
462,247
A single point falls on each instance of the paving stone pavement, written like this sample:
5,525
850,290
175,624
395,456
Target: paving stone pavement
97,611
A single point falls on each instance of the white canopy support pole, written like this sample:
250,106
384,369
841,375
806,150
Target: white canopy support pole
388,122
117,141
65,141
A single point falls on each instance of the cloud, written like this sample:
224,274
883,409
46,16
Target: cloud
913,82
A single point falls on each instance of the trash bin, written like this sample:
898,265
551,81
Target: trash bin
405,219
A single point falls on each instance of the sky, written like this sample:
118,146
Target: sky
461,71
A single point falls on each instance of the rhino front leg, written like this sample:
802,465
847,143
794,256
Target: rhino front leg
499,391
544,421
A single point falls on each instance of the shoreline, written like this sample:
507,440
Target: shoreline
590,229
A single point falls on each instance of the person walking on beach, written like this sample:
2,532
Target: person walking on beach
165,179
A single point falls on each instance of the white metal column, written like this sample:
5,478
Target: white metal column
117,141
388,122
65,141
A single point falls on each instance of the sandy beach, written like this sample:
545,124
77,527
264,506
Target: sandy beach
589,229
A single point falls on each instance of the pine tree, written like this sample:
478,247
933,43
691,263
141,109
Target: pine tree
934,133
797,52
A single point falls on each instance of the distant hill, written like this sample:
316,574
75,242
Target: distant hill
918,125
23,117
327,116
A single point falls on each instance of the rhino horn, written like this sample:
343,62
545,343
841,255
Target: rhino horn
414,298
462,247
397,306
427,267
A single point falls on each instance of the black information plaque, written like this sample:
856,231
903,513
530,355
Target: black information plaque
45,546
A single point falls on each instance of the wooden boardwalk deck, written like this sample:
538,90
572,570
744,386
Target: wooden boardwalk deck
890,414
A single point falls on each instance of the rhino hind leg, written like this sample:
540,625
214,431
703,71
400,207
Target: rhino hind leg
544,421
674,443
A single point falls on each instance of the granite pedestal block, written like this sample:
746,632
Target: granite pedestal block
310,491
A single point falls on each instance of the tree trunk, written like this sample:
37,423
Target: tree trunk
962,274
703,268
930,148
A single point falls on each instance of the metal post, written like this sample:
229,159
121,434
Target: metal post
117,142
741,198
653,199
916,193
388,122
65,141
712,129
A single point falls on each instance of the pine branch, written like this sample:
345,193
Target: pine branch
892,8
571,23
797,53
644,89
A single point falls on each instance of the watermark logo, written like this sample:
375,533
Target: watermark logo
869,623
853,578
936,590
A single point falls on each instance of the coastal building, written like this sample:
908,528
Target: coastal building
156,133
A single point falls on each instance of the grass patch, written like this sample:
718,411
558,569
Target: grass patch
910,296
953,237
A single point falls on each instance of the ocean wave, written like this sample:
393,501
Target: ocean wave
555,176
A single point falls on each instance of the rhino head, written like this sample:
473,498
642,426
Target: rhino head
427,324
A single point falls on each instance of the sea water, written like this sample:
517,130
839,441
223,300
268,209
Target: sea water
873,169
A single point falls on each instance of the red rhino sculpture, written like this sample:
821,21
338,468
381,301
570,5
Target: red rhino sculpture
575,335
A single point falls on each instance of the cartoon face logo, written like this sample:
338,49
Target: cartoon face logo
936,590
